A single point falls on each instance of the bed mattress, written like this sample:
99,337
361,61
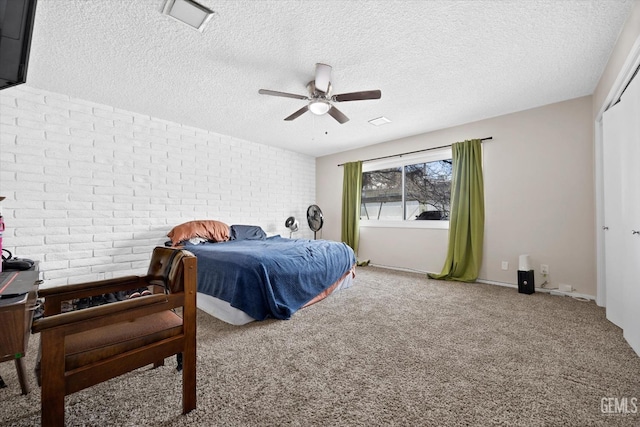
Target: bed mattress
225,312
269,278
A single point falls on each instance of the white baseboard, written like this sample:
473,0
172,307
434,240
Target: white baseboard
493,282
408,270
544,290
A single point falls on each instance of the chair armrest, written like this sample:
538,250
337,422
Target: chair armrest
69,291
95,317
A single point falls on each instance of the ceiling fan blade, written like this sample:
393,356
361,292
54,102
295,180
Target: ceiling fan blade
283,94
357,96
337,114
297,113
323,77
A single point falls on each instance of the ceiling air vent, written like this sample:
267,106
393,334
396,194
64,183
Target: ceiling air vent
188,12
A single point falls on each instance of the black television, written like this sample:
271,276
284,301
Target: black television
16,27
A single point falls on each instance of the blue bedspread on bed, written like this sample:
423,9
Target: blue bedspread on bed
273,277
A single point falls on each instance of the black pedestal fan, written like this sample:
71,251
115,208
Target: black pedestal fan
314,218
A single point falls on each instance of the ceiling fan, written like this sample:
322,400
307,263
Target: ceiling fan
320,98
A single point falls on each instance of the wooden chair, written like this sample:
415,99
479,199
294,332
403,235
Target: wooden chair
85,347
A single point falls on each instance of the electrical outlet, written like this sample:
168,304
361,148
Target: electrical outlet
544,269
505,265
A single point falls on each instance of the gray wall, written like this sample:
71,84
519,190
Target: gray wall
539,199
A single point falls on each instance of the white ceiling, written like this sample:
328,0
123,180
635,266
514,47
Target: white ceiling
437,63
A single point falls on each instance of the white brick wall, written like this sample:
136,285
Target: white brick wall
91,189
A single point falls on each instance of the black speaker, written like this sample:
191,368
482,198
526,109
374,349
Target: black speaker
525,282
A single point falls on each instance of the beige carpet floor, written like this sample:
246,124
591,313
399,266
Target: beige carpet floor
395,349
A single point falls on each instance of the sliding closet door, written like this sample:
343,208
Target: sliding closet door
621,161
613,121
631,214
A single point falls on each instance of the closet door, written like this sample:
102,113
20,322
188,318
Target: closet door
621,161
613,129
631,213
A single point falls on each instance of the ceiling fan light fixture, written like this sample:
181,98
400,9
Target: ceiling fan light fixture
319,107
188,12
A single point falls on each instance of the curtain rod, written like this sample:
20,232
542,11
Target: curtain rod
413,152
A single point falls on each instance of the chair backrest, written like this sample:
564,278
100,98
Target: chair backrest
165,268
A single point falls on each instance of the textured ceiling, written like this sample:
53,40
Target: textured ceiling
437,63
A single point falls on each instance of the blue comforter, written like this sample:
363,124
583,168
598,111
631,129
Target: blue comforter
273,277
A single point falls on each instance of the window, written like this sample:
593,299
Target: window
408,190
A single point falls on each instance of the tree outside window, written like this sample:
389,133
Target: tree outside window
420,191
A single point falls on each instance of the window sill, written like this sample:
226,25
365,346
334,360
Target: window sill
442,225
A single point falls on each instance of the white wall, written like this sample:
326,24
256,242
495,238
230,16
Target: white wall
538,172
91,189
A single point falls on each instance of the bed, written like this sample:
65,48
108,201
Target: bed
245,276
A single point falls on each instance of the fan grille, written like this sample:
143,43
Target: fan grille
315,218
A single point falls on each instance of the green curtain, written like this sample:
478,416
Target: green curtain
351,196
466,222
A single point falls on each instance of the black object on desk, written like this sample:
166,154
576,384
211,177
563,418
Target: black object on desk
10,262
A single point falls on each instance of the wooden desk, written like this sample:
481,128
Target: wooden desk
16,314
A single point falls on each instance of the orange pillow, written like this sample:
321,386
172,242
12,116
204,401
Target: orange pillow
206,229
